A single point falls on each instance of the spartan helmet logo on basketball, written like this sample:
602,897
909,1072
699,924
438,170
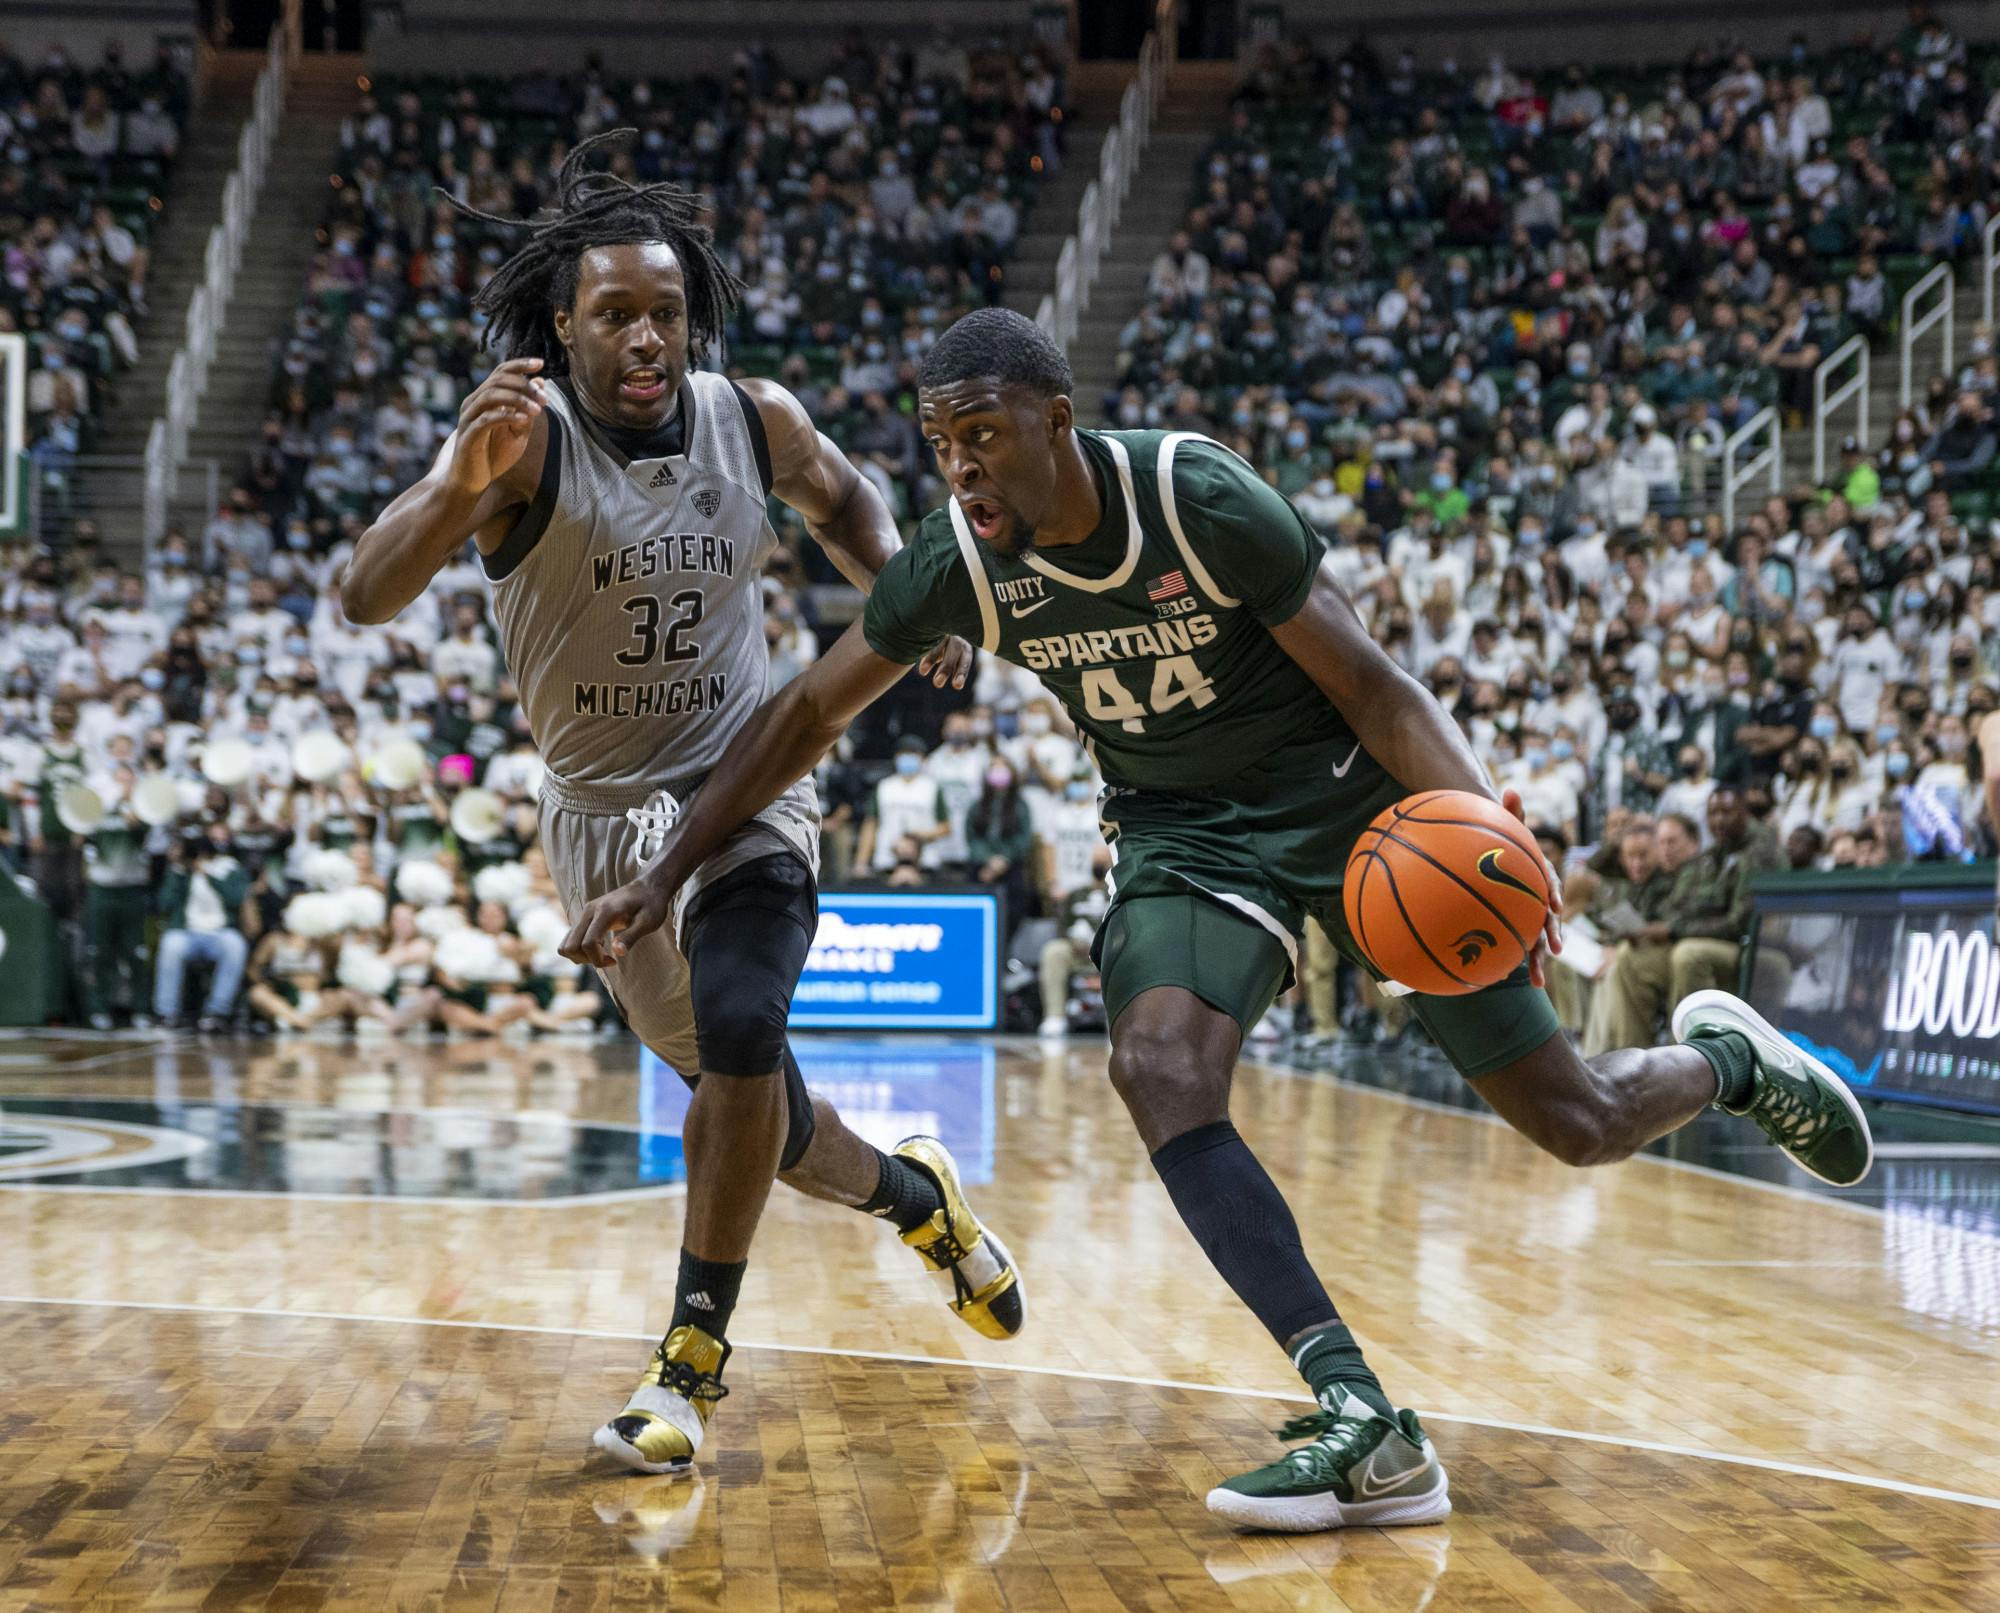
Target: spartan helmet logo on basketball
1469,945
708,501
1489,865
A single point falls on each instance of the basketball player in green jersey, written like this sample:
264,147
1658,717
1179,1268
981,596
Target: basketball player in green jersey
1247,728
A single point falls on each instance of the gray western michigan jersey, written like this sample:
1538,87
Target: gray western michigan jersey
632,621
628,600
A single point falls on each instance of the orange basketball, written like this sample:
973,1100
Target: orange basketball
1446,892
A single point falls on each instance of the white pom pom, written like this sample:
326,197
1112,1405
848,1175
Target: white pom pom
364,970
474,955
423,883
504,883
364,907
542,927
314,915
439,922
330,871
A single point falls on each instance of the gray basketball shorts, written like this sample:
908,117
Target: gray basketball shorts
592,848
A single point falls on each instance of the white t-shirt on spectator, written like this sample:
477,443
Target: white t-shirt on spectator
268,629
1546,799
959,774
904,806
470,656
1862,669
1071,829
1689,797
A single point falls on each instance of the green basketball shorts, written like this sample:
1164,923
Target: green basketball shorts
1211,893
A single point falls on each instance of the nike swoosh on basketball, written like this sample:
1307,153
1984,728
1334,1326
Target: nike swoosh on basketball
1029,610
1341,770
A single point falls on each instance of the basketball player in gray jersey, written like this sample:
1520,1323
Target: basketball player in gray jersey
617,499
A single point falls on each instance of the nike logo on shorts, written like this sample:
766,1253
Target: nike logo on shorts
1340,770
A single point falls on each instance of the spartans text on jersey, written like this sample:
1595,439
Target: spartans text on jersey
1098,645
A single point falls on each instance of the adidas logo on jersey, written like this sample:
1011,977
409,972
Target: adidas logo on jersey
663,477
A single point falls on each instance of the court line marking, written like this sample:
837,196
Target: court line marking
1769,1464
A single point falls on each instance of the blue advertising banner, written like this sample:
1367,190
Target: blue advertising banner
902,960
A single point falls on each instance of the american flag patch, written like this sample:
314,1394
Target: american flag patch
1174,582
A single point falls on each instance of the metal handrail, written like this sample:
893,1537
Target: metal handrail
187,372
1083,250
1917,325
1768,461
1825,402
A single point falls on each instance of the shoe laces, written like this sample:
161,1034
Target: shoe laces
689,1383
660,813
945,1251
1334,1441
1787,1114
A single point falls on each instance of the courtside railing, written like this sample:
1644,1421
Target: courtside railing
1940,288
1082,254
1742,464
187,373
1828,399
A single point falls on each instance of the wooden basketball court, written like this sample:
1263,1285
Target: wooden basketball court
329,1326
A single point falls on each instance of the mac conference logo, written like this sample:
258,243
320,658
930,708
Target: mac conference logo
1945,982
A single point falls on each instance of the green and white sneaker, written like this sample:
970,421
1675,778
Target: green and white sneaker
1359,1469
1798,1103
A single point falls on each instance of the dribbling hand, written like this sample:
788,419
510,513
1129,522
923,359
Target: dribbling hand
1551,940
612,925
494,424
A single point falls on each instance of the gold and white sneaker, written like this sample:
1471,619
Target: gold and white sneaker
986,1289
662,1425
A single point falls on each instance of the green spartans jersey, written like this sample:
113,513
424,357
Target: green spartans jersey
1153,631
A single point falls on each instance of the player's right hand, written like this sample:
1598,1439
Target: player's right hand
494,424
611,926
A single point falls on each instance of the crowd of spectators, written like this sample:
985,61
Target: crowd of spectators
1493,461
84,156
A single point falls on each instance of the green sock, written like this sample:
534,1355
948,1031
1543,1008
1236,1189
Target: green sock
1332,1357
1735,1065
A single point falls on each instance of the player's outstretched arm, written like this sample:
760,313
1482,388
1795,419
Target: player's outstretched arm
1397,719
487,467
842,510
783,740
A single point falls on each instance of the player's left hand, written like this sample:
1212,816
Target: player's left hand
609,927
950,662
1551,941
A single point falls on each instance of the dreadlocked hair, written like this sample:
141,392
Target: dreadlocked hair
594,209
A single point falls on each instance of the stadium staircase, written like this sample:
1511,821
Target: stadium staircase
281,241
111,493
1094,89
1195,105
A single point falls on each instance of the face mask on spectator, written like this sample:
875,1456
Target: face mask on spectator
1536,756
1738,678
999,778
420,729
1441,481
1296,441
1823,727
1077,789
1562,750
1886,733
1951,744
907,762
1035,723
153,678
1896,764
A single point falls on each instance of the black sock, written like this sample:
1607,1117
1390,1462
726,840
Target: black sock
1244,1226
905,1193
1332,1357
705,1296
1735,1065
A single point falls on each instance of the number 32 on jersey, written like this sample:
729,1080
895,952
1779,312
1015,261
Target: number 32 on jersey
1176,681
